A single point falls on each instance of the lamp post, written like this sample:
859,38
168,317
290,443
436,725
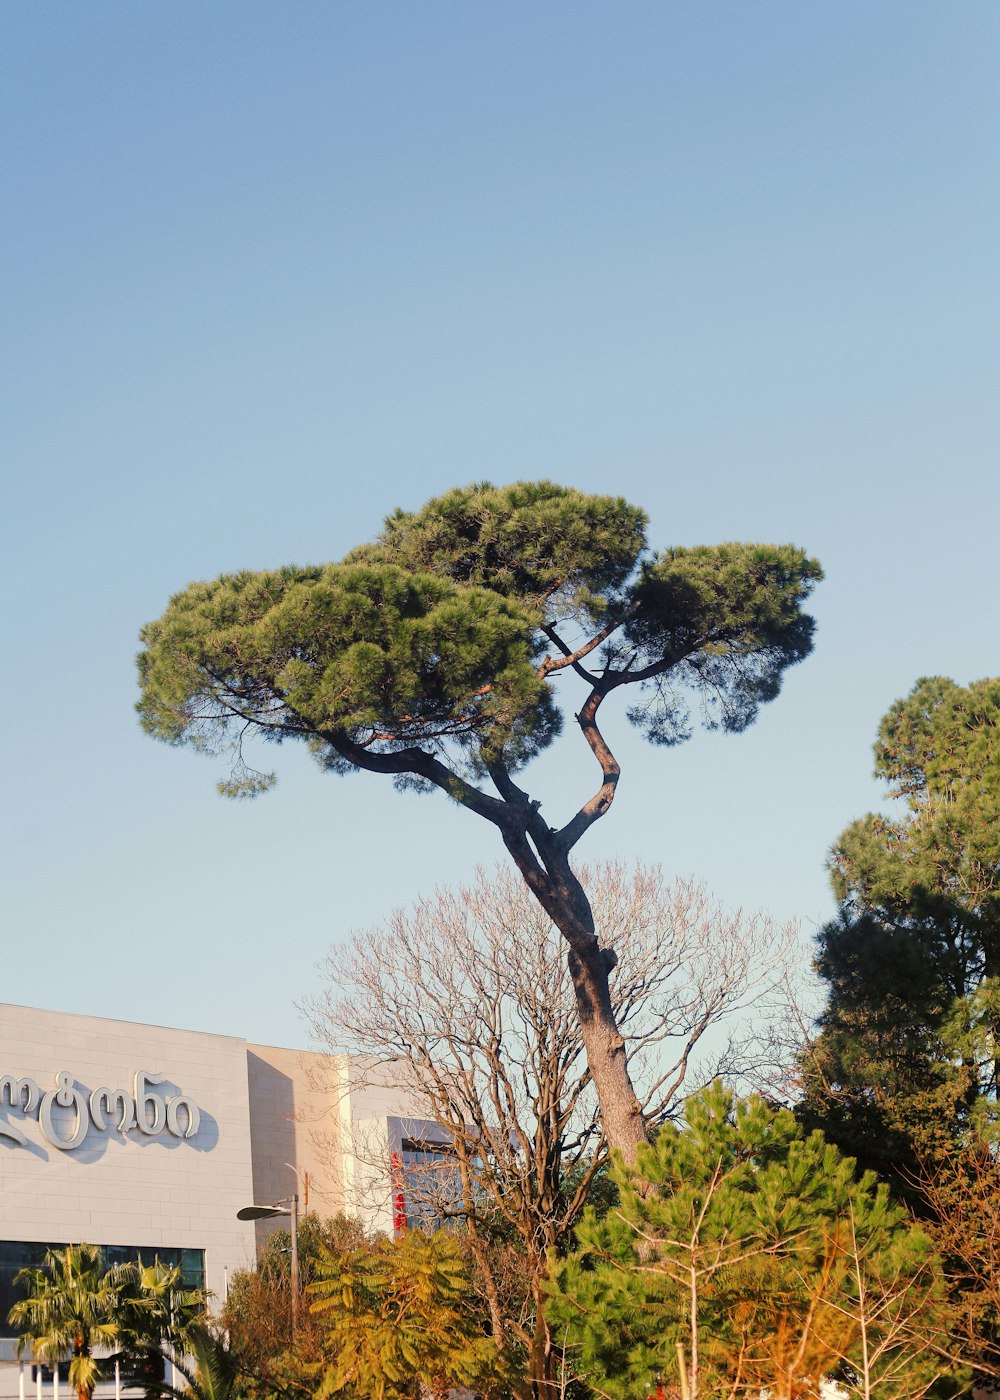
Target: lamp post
289,1205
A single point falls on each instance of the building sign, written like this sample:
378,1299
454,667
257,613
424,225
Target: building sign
66,1112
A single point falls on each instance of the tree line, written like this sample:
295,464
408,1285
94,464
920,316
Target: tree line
621,1219
851,1235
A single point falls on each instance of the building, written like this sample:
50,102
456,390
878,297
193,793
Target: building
149,1140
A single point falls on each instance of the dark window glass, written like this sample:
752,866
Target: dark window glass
431,1186
15,1255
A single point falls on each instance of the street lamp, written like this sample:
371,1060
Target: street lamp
288,1206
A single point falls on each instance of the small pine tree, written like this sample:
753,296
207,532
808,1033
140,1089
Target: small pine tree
757,1250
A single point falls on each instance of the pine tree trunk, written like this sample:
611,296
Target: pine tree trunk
621,1113
564,899
590,967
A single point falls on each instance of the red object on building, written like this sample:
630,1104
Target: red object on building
398,1199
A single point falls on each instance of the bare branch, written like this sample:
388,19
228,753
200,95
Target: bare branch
602,799
423,765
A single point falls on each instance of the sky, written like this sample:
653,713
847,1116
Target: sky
271,271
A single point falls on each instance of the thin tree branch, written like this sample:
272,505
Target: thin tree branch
602,799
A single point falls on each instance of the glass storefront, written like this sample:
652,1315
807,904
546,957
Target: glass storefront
15,1255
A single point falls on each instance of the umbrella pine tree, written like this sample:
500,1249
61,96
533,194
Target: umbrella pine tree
437,654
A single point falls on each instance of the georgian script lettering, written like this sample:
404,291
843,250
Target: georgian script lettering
22,1094
145,1102
66,1095
116,1103
65,1114
193,1116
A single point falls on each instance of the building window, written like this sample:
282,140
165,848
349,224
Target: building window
429,1184
16,1255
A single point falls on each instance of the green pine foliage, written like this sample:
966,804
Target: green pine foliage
352,649
438,654
905,1068
444,633
757,1249
728,619
938,751
554,549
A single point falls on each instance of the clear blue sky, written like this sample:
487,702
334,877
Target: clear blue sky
271,270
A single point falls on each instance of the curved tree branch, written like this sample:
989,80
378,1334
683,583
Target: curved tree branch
422,765
602,799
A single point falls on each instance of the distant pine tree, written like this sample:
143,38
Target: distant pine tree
904,1070
905,1067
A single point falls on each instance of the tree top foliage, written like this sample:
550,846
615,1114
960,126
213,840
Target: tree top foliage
434,652
398,1319
906,1066
939,751
547,546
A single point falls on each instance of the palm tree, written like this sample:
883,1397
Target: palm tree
73,1305
208,1367
159,1312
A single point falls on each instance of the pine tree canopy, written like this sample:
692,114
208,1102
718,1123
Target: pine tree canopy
907,1062
435,652
939,751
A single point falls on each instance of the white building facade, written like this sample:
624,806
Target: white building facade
148,1141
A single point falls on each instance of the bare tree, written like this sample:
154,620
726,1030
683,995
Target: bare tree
468,1000
960,1192
887,1320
